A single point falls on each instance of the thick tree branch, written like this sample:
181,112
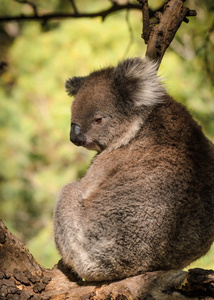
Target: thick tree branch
21,277
159,34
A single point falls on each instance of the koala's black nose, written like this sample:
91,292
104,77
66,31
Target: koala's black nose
76,135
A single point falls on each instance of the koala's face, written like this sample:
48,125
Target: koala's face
93,114
108,102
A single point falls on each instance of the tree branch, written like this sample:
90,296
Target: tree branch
21,277
51,16
146,23
159,37
157,34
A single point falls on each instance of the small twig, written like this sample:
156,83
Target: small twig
74,6
146,23
32,5
147,14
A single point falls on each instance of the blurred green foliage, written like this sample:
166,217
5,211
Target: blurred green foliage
36,155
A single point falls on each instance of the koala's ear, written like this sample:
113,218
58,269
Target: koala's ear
72,85
138,78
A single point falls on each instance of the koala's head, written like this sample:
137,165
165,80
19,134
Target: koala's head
109,104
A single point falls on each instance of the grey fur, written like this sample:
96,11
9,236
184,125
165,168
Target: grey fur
147,200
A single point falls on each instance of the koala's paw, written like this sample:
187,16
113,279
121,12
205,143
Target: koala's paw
164,288
67,271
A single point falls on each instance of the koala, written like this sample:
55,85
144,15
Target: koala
147,200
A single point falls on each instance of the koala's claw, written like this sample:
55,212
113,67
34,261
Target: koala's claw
165,286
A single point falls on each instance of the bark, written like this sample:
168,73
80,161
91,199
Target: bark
159,33
21,277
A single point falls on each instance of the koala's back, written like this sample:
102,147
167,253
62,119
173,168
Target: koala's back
150,205
146,206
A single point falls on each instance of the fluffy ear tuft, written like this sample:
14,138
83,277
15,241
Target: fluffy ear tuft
72,85
139,77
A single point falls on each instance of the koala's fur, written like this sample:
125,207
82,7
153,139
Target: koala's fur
147,200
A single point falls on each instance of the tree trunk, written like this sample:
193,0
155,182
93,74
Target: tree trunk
21,277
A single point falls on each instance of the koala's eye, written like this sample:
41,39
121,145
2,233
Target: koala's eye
98,120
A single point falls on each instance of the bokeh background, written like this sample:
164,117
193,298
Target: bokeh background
36,157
